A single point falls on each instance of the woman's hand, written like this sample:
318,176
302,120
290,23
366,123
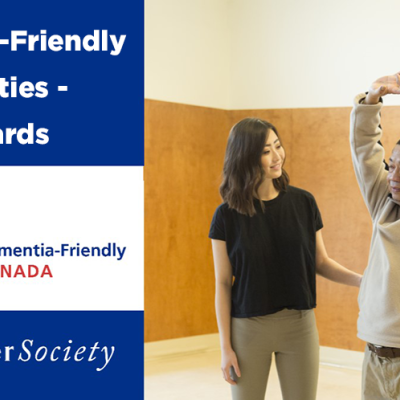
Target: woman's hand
229,360
386,85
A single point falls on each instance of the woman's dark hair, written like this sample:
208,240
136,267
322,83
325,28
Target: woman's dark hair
243,172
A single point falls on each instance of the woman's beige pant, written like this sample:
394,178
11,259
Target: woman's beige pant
293,337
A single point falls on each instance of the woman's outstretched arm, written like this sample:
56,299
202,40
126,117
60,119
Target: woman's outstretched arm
332,270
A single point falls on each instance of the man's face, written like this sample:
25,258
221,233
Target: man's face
394,173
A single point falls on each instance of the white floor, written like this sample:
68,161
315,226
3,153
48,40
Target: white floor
192,376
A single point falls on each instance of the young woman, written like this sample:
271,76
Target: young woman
267,246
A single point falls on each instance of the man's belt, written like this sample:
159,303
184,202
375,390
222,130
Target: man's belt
381,351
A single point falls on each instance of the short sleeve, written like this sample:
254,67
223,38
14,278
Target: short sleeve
317,217
217,229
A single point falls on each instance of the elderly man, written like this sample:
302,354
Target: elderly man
379,298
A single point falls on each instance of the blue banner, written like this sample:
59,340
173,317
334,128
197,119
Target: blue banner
71,94
71,355
71,83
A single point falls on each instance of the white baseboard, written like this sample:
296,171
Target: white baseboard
181,347
205,343
341,358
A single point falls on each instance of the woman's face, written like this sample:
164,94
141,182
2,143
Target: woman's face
273,156
394,173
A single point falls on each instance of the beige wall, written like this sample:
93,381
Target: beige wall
187,51
268,54
309,53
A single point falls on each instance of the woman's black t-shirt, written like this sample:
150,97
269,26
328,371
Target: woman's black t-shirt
272,253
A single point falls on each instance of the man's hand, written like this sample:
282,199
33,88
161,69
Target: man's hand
386,85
